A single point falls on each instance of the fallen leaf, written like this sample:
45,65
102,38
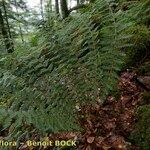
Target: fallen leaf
90,139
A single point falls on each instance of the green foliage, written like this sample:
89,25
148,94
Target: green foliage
144,69
141,135
146,98
139,53
76,61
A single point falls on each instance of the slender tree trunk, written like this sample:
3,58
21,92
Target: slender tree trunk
42,12
50,5
21,34
6,18
78,2
64,8
70,3
57,7
6,31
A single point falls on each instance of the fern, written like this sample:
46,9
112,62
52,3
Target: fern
77,61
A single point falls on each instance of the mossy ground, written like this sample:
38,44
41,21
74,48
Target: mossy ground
144,69
141,135
139,53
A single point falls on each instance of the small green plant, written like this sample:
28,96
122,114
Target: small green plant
141,135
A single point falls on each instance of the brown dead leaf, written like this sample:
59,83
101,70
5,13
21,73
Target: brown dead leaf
90,139
112,122
99,140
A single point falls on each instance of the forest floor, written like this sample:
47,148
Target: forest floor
107,126
110,125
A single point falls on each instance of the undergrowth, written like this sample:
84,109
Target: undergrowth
74,61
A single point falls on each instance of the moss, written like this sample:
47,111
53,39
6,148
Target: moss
144,69
146,98
141,135
139,53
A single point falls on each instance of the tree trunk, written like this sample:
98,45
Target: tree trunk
64,8
57,7
21,34
42,12
6,18
8,43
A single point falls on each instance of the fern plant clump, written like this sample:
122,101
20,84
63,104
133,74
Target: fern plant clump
77,61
